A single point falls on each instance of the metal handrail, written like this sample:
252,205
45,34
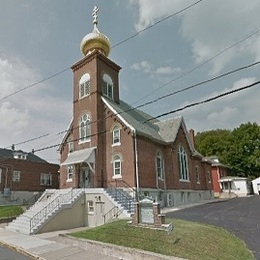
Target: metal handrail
128,186
109,213
122,195
54,204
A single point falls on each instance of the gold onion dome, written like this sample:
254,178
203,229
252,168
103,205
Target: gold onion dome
95,40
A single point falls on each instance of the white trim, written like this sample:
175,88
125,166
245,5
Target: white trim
118,176
118,115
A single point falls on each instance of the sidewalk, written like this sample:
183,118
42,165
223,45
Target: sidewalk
45,246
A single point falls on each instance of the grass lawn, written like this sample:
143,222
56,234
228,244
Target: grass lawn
189,240
10,211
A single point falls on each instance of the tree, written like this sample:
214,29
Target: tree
214,143
244,152
239,149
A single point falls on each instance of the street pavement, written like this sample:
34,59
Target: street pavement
240,216
10,254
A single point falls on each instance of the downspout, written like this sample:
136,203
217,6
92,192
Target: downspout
136,165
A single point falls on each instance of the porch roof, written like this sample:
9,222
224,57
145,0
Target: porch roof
84,155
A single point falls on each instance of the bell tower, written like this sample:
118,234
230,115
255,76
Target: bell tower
94,76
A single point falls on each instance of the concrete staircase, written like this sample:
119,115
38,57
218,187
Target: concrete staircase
48,205
123,199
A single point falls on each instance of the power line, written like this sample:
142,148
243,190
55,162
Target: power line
198,84
152,101
34,84
117,44
205,101
159,21
170,112
200,65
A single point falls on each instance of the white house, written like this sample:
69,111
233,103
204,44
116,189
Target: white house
256,186
238,186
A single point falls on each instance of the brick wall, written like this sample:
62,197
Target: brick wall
30,175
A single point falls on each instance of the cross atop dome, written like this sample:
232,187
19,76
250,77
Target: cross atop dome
95,40
95,15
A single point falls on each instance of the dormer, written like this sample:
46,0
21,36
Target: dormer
20,155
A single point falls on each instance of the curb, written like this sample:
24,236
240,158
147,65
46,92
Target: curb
120,252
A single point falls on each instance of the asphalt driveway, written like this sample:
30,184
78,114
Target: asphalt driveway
241,216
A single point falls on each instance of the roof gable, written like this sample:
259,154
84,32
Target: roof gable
135,119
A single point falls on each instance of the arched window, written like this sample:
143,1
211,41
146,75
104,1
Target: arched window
108,86
117,166
116,135
159,165
85,128
183,164
84,85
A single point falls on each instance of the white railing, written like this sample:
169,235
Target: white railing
53,205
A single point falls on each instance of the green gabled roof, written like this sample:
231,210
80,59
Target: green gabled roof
135,119
162,131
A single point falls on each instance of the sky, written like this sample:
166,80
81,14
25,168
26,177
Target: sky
163,47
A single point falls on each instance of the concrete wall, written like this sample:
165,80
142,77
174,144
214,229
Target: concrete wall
19,198
67,218
78,214
173,198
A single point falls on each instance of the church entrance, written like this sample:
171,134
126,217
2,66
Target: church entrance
85,174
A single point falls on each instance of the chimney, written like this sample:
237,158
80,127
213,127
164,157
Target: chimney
13,147
192,137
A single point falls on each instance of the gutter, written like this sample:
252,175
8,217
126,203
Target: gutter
136,164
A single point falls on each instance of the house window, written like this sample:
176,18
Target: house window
84,85
108,89
117,166
209,176
70,171
16,176
183,164
91,206
46,179
116,135
70,146
159,166
197,172
85,128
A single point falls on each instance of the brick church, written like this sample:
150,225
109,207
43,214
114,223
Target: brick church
111,144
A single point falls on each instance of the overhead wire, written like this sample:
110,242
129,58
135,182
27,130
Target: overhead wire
154,100
170,112
198,66
157,99
117,44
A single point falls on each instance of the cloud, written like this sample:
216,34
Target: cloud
143,66
30,113
227,112
210,26
167,70
148,68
